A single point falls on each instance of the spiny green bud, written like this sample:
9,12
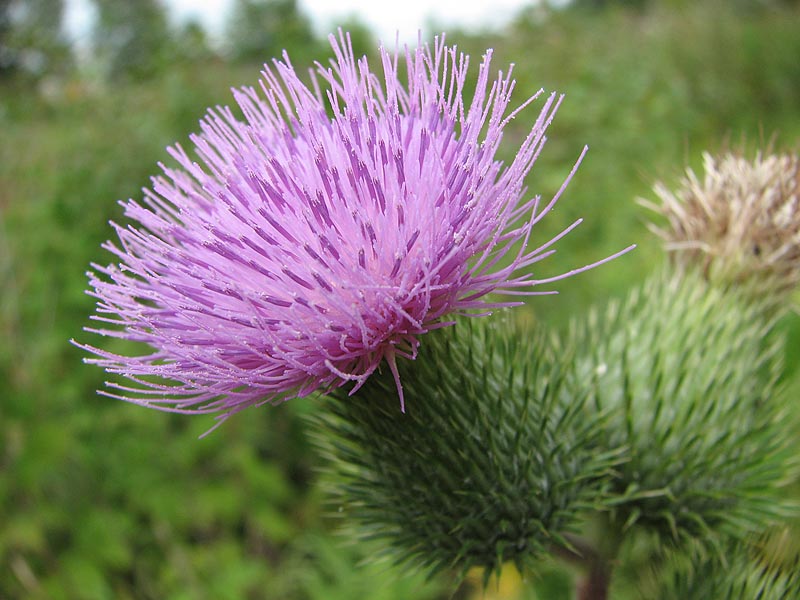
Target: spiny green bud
494,459
740,223
740,574
689,372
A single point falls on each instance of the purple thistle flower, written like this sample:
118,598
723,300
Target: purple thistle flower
305,249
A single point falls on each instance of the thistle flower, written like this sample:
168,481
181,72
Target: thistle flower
741,222
323,234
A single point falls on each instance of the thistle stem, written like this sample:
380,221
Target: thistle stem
595,584
597,560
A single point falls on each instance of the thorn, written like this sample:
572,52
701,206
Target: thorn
392,361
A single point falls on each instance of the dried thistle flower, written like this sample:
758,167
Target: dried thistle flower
740,223
322,235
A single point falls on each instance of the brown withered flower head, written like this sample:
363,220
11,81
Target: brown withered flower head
740,222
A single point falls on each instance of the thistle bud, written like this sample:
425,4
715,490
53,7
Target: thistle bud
493,461
742,574
690,373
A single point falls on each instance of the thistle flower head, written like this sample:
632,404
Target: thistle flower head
321,234
740,222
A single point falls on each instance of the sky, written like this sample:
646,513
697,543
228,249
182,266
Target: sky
384,17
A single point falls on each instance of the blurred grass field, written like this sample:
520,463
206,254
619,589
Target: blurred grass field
101,499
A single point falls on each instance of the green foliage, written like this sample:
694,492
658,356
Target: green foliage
191,43
494,459
690,374
605,4
323,569
131,39
363,41
259,30
744,5
32,40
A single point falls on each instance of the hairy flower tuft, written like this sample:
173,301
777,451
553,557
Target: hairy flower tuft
323,233
740,222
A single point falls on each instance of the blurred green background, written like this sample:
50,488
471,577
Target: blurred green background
101,499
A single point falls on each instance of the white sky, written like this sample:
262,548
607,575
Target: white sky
384,17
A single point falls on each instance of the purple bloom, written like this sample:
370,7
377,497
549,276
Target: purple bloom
321,235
